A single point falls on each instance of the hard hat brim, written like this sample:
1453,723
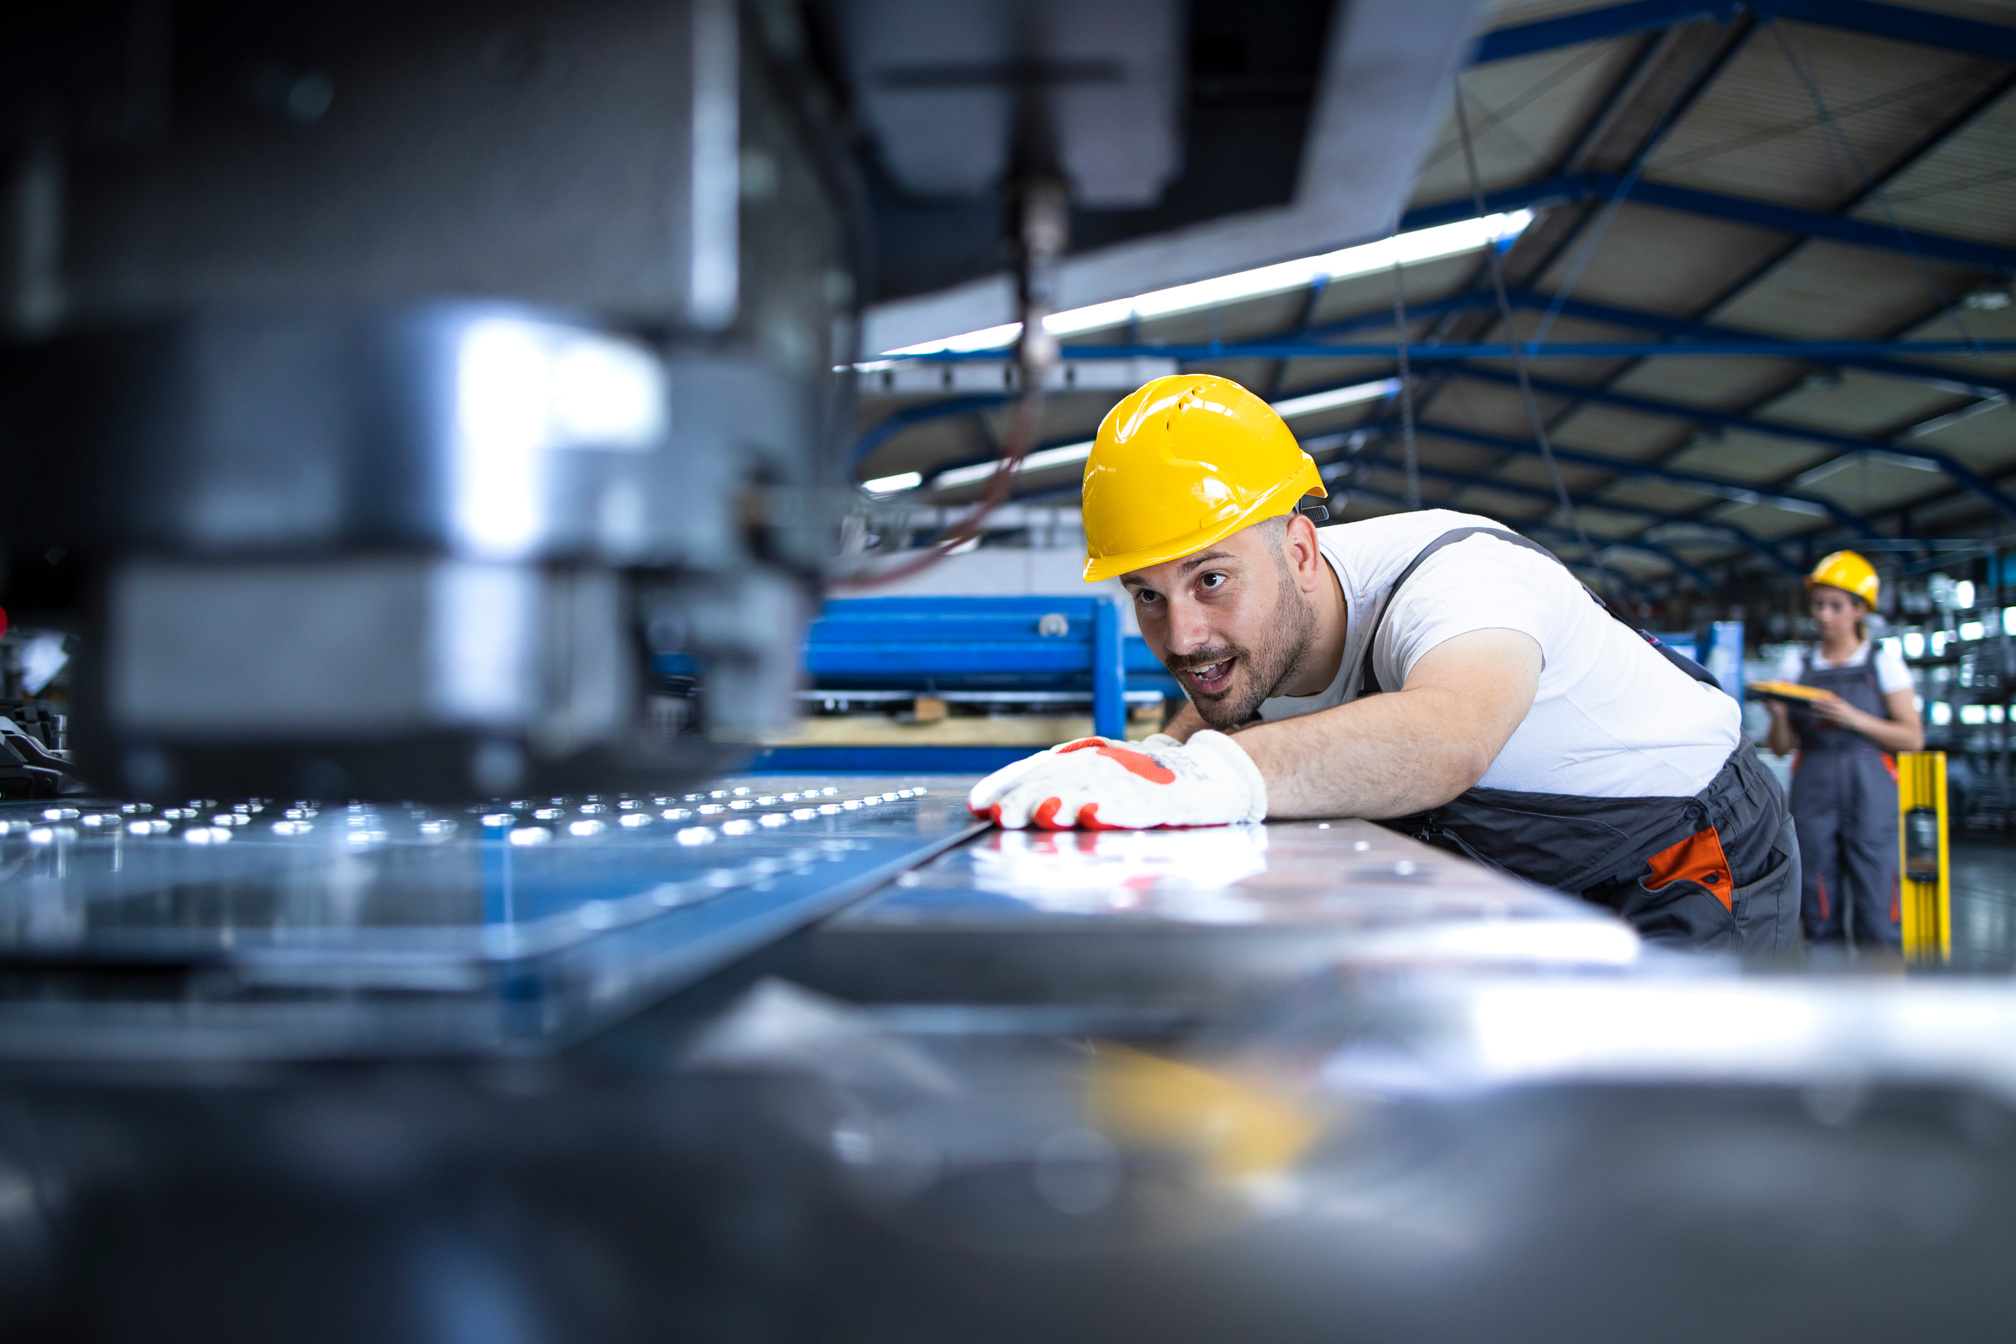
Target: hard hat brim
1812,583
1306,481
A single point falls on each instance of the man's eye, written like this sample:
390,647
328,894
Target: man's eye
1210,581
1143,596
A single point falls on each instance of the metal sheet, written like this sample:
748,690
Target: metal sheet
271,931
1189,916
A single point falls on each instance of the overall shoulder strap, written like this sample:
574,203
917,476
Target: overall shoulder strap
1368,681
1869,668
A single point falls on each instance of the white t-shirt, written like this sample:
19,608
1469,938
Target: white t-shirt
1611,718
1891,672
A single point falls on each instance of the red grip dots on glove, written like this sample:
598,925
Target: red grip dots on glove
1134,762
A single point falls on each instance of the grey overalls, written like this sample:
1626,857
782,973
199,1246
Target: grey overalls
1844,800
1719,870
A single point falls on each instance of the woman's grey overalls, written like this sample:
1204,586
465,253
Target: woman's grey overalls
1844,803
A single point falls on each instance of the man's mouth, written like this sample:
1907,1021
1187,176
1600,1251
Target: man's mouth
1213,678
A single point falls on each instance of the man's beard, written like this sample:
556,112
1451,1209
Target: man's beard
1263,669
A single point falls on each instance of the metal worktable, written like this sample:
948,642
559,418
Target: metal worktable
1268,1083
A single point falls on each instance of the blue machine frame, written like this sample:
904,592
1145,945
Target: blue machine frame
927,644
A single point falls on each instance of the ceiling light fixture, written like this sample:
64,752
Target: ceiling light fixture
1046,458
1408,249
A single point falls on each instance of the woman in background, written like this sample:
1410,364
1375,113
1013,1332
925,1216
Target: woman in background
1844,780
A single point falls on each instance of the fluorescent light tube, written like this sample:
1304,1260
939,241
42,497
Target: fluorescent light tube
894,485
1444,240
1037,461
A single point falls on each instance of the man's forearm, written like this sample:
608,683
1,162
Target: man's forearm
1389,755
1385,756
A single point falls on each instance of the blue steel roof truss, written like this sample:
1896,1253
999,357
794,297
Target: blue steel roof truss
1673,336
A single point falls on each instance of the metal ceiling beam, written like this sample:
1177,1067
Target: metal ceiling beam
1824,352
1571,187
1471,480
1535,530
1860,16
1719,486
1696,334
1958,471
1738,491
1956,381
1560,537
1594,25
1734,534
1872,189
889,426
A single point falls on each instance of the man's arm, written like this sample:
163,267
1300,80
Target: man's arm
1411,749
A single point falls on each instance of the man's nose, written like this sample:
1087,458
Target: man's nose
1189,627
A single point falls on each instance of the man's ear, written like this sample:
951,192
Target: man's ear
1299,549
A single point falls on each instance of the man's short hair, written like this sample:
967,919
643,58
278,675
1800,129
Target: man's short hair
1275,529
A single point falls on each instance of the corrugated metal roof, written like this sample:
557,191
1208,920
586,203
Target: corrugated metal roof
1757,132
1934,130
1660,260
1835,291
1723,383
1524,114
1850,401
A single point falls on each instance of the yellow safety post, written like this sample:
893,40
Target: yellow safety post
1926,910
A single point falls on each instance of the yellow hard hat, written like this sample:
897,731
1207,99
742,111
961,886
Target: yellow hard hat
1183,462
1849,572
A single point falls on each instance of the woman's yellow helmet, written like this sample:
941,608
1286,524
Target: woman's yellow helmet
1850,573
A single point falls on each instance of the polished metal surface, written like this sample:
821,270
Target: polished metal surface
269,930
1405,1099
1191,915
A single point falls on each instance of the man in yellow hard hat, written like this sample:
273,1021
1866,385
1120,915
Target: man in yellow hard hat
1844,780
1520,723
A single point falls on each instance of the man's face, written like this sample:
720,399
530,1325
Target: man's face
1229,621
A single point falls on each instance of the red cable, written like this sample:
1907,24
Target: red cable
1021,434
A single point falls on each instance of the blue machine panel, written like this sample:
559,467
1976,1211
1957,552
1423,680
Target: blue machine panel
927,644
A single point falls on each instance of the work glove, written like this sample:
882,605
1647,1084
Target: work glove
1101,784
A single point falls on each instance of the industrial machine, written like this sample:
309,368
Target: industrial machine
390,380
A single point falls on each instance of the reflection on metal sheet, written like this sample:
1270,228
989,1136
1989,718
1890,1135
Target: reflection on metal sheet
1176,874
298,928
1394,896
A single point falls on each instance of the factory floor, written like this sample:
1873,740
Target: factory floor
1983,884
